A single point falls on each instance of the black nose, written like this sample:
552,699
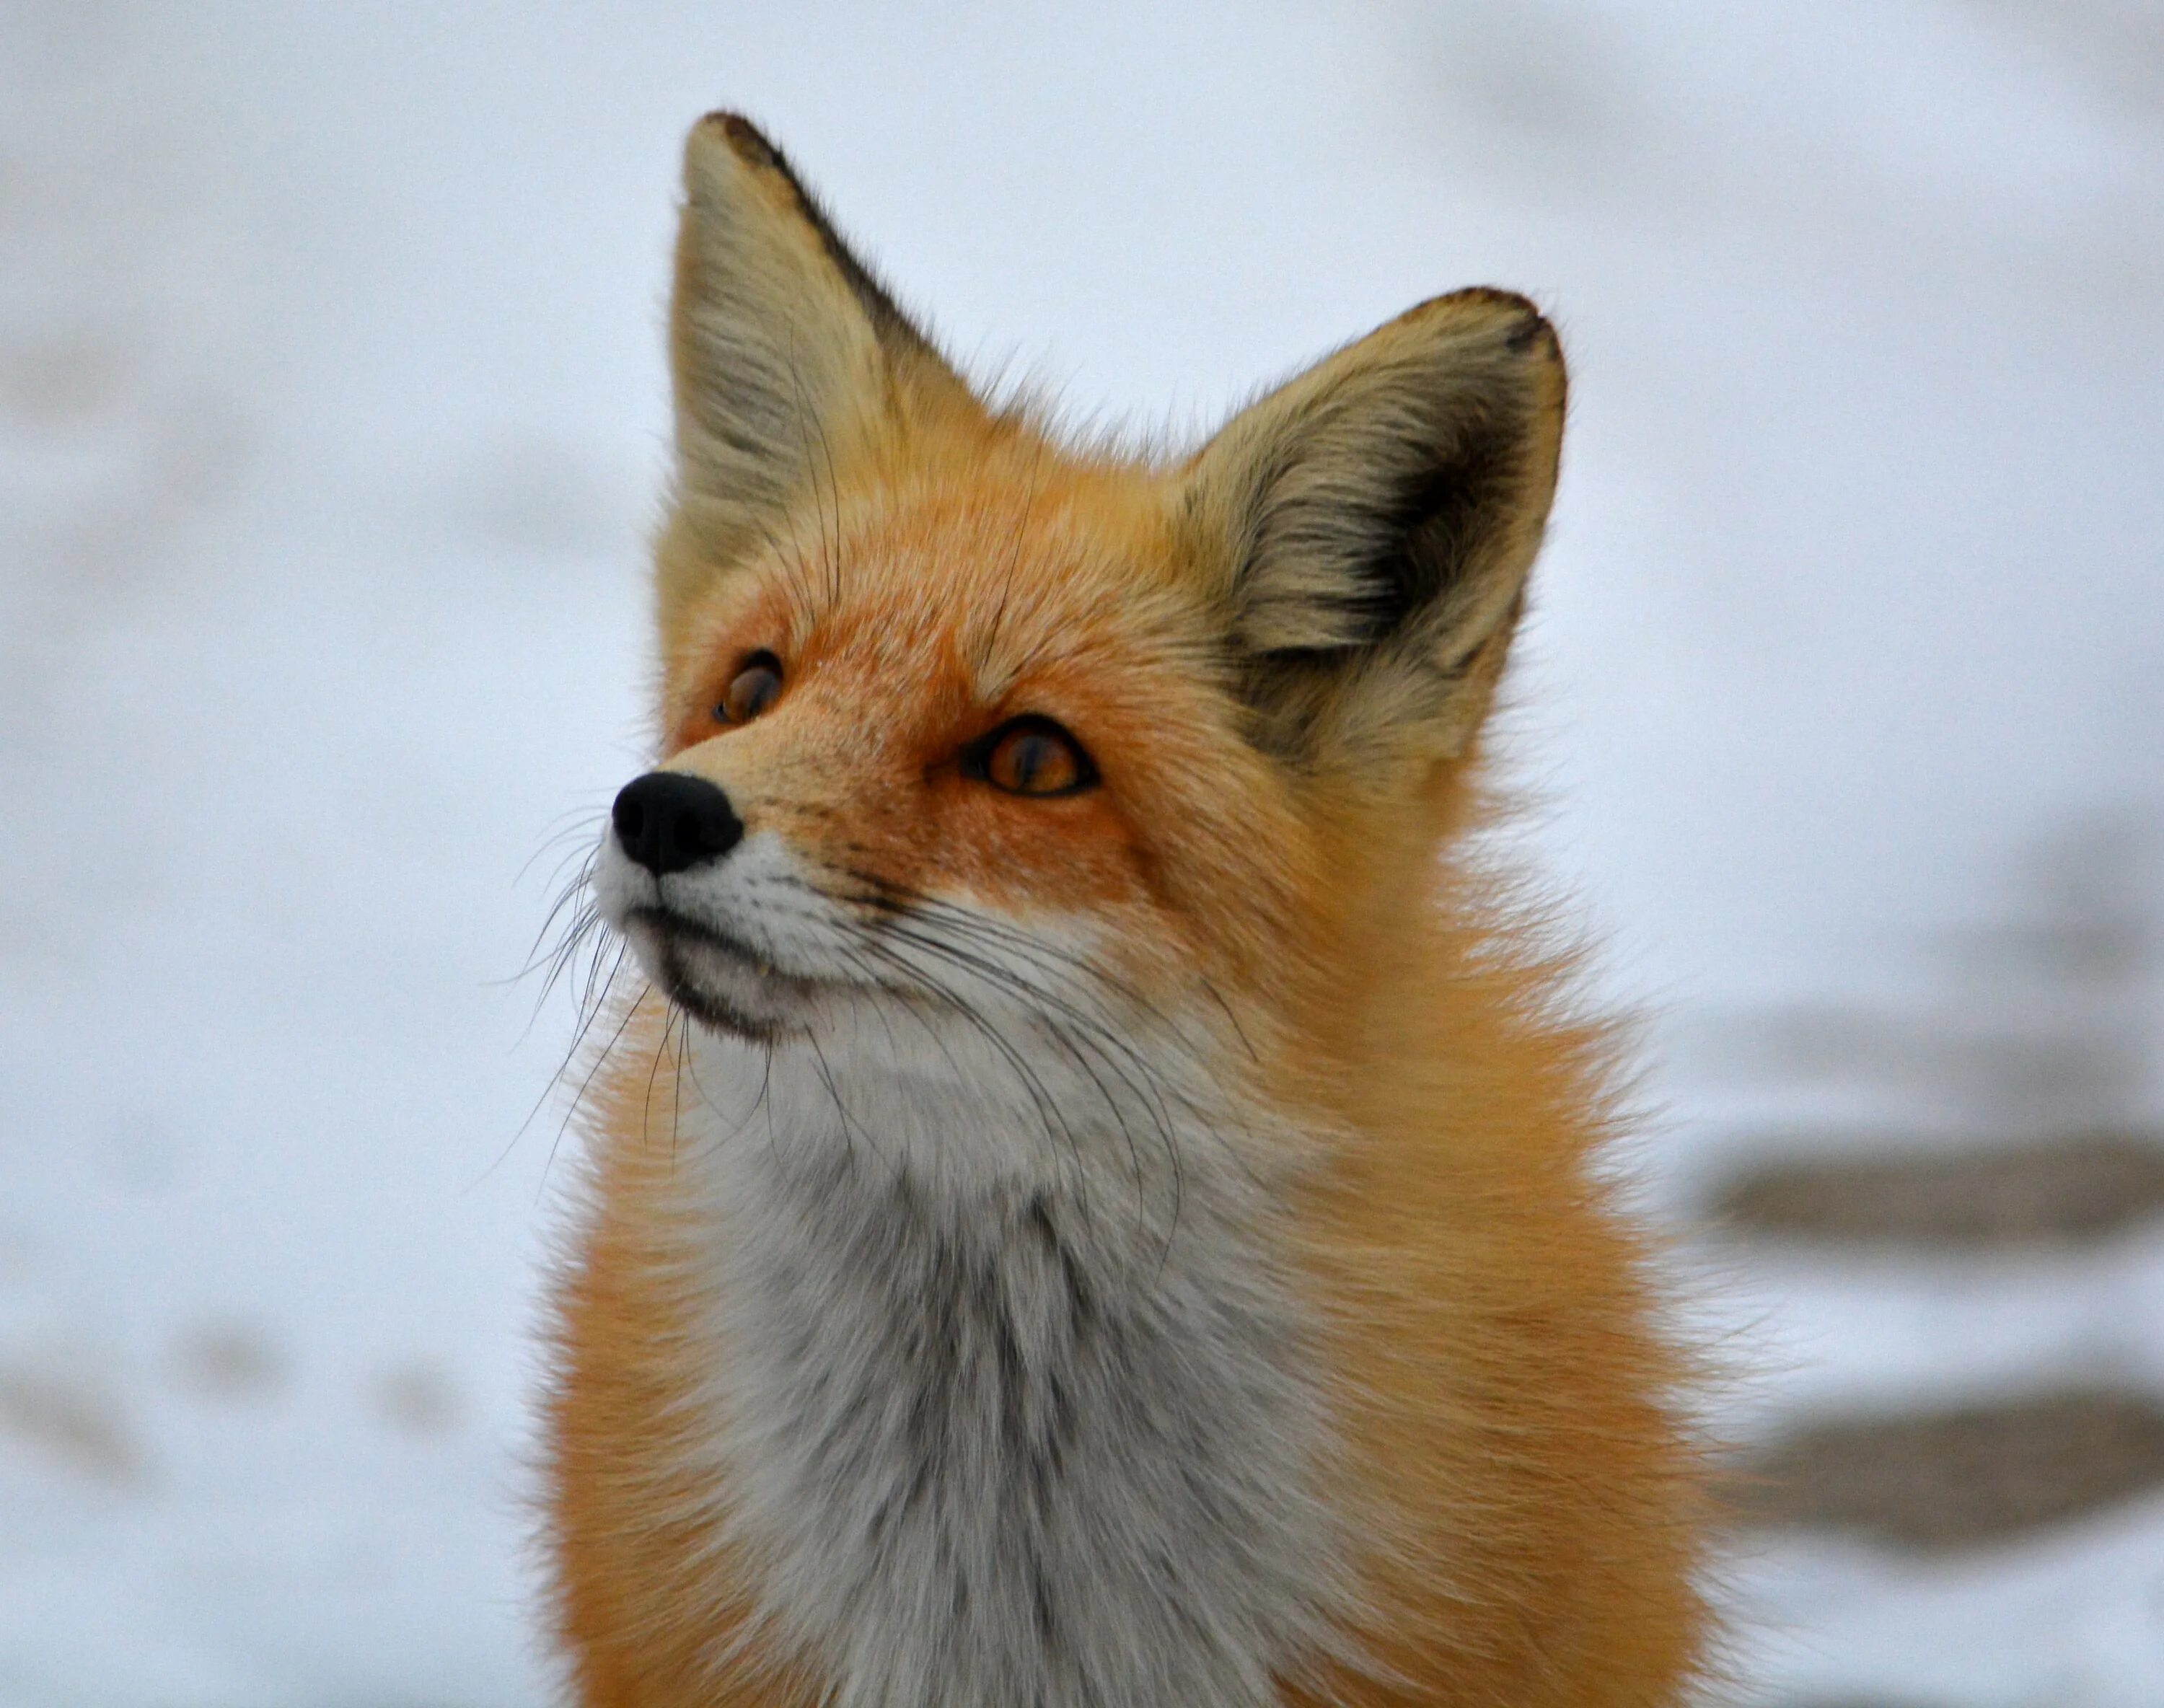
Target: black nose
670,822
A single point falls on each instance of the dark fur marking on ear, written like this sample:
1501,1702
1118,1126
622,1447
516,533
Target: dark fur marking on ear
1430,534
886,316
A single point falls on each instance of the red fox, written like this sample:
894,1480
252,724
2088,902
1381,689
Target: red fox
1093,1205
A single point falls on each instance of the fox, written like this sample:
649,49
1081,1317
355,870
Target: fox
1095,1194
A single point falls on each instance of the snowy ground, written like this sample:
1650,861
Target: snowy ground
330,419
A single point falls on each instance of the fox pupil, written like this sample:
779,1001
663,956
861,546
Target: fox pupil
1032,755
755,687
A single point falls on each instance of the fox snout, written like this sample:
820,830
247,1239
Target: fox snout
667,821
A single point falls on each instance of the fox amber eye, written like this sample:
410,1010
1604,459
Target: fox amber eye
756,686
1034,756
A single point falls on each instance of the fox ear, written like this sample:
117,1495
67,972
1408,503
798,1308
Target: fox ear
785,352
1373,522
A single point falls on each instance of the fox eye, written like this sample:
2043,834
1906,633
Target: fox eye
1032,756
756,686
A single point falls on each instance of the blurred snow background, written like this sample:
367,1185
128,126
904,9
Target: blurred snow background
331,418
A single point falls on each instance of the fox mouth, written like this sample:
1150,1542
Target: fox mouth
718,980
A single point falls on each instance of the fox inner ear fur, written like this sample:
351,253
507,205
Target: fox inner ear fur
1373,522
788,356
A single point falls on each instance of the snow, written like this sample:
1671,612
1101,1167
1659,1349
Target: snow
331,420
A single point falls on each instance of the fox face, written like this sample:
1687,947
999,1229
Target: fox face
904,725
985,756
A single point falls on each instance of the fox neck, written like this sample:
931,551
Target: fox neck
1018,1407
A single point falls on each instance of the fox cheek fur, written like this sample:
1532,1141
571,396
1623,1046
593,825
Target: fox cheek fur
1126,1233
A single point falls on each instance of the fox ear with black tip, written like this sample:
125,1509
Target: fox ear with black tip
1373,522
788,356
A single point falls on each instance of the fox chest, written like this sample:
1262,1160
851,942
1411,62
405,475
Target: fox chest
979,1460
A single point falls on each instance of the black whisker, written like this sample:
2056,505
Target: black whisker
1046,1106
900,910
579,1097
827,1077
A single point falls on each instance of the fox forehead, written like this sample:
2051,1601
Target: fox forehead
1059,592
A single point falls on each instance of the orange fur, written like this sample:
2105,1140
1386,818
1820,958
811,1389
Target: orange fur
1514,1436
1509,1452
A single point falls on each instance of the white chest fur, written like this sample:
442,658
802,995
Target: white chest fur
1007,1442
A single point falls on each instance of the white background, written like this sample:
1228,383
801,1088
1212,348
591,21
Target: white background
331,424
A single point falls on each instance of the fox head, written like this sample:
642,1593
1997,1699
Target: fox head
972,738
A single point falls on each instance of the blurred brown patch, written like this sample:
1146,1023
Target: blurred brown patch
418,1398
64,1418
230,1360
2067,1190
60,380
1964,1478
